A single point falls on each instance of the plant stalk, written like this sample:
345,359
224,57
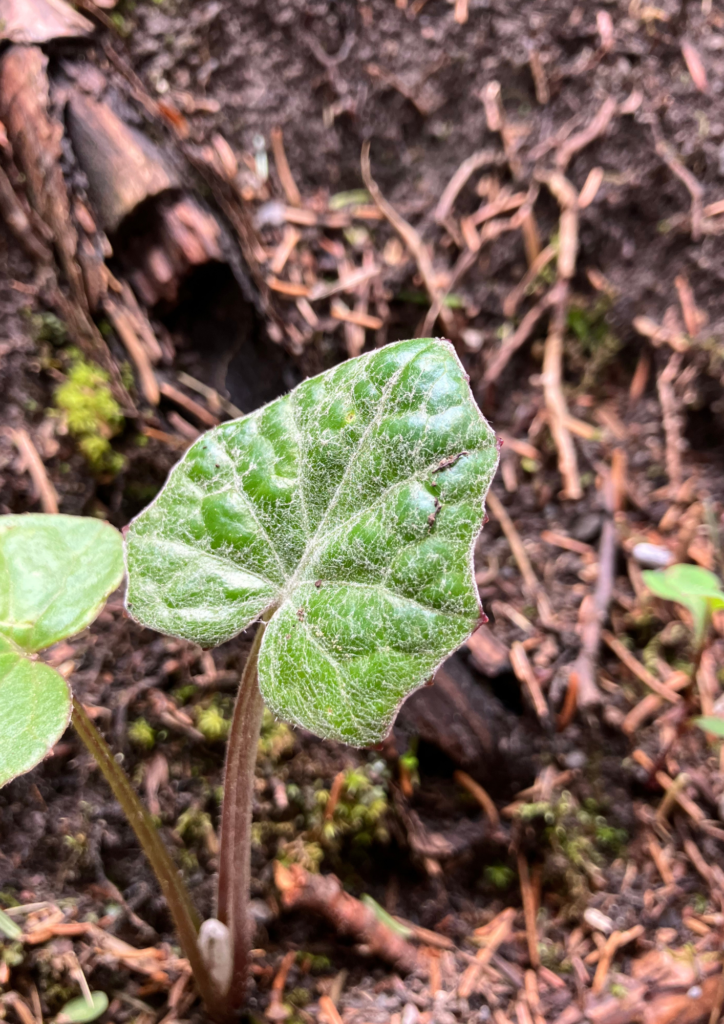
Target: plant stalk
235,846
175,892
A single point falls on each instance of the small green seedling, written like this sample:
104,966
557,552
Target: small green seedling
345,514
711,724
9,928
697,589
342,518
84,1009
55,575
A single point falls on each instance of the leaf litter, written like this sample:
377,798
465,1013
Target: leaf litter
599,896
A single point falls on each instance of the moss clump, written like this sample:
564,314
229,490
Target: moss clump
212,724
592,345
276,739
359,812
90,412
141,734
579,841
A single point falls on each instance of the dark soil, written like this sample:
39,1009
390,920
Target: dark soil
409,78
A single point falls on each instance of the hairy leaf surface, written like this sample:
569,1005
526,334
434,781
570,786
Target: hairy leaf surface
55,574
34,710
350,509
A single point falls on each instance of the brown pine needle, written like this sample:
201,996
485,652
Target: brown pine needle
530,910
285,175
35,467
476,790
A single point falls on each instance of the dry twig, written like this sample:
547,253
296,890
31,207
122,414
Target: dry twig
530,910
35,467
480,794
323,894
283,170
483,158
535,590
672,420
409,236
525,673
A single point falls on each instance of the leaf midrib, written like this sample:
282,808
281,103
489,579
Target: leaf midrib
311,547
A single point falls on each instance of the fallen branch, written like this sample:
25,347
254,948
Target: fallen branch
324,895
35,138
640,671
513,298
17,220
468,257
123,325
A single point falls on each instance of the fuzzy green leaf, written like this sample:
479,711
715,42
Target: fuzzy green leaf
349,508
9,928
34,710
55,574
711,724
691,586
80,1011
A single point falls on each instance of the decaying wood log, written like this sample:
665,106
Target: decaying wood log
24,91
462,718
17,220
35,138
123,167
180,235
39,21
324,895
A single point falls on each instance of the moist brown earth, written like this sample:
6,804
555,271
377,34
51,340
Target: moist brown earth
577,789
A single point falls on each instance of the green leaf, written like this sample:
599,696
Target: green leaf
34,711
80,1011
55,574
384,918
9,928
691,586
350,509
711,724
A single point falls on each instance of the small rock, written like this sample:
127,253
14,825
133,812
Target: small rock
261,912
597,920
652,555
587,528
576,759
410,1014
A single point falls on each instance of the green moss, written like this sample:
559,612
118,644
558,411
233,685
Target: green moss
49,328
212,724
500,876
276,739
91,413
591,344
141,734
359,813
579,841
193,826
